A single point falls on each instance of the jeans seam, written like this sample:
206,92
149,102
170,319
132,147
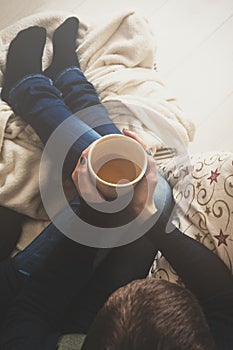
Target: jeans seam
22,81
66,70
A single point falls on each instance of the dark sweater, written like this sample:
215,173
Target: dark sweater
34,320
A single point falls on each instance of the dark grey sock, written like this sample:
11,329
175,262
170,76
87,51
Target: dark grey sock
24,57
64,47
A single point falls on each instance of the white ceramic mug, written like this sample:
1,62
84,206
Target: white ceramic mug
116,146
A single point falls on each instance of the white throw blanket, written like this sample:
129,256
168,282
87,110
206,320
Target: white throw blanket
117,56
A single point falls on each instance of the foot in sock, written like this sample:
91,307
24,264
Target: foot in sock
64,47
24,57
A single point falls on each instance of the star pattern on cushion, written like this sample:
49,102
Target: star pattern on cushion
207,211
198,237
213,176
222,239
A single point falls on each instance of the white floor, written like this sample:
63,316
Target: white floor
195,54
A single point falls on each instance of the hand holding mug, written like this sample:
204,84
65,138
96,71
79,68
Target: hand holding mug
143,196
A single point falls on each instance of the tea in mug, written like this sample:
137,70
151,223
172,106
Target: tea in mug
119,169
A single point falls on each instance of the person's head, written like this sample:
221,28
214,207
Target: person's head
150,314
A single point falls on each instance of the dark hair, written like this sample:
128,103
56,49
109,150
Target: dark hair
150,314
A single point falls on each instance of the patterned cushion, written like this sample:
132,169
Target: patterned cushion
203,192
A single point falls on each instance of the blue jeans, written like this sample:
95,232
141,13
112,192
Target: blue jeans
45,106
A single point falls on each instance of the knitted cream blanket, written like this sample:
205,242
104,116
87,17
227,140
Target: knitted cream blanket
117,56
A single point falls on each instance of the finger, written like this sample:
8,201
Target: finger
86,151
134,136
151,165
82,164
149,152
83,154
152,178
84,184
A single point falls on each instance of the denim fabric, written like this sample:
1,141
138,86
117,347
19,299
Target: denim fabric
79,94
41,105
33,257
82,99
45,106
